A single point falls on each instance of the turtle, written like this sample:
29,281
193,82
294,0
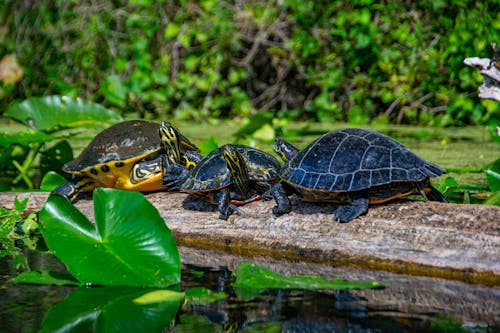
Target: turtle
229,176
130,155
354,168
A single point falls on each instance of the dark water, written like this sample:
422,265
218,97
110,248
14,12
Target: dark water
409,304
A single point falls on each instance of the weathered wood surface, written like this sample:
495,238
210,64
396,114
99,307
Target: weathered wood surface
424,238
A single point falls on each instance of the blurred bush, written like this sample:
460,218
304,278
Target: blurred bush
358,61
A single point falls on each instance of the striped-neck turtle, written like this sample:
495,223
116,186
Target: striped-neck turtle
230,175
130,155
353,168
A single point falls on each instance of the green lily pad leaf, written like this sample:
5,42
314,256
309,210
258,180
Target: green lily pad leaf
449,183
51,180
111,309
54,112
45,277
129,245
493,175
24,138
201,296
252,277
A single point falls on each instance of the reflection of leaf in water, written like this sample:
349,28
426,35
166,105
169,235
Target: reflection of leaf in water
201,295
195,323
252,280
45,277
112,309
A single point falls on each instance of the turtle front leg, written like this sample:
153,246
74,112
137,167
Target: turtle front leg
223,200
174,175
73,189
283,204
345,213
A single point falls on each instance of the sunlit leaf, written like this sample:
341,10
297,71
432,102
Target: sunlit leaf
55,112
254,123
24,138
493,175
494,199
111,309
448,184
207,145
250,277
51,180
128,245
45,277
266,133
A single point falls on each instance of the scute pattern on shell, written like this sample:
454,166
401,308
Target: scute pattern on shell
355,159
119,142
212,173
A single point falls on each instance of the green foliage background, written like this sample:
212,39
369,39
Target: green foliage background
357,61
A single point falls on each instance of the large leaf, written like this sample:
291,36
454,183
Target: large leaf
51,180
55,112
24,138
493,175
252,279
129,245
113,309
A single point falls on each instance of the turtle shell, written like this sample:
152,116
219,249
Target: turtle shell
355,159
211,173
120,142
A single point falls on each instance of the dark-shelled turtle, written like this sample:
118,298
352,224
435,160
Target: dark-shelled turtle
130,155
353,168
231,175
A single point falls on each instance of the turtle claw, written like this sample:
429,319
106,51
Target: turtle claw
346,213
229,211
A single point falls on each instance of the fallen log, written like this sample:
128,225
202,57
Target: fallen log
411,237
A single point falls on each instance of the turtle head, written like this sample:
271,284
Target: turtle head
237,167
171,140
284,149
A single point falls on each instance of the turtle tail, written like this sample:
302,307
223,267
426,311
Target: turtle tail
433,194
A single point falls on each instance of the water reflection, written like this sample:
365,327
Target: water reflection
27,308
